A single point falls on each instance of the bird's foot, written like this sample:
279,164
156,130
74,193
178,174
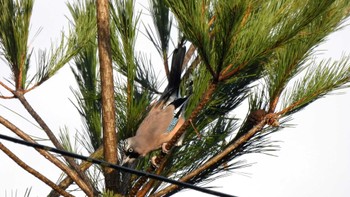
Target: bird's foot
154,162
164,149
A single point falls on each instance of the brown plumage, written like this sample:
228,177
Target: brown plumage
152,132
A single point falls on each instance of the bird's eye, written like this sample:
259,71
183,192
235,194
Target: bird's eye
130,153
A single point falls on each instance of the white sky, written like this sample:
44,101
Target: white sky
314,158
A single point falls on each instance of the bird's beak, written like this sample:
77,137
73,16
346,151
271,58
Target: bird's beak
126,160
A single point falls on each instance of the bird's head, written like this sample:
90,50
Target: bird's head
129,151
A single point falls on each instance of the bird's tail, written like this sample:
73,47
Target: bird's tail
175,73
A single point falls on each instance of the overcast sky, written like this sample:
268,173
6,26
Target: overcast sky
314,158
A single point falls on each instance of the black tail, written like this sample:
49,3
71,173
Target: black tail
175,73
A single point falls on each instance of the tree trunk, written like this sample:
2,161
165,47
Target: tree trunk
107,88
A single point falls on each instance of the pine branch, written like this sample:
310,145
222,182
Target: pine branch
32,171
245,56
147,80
315,84
215,159
14,25
227,73
51,62
162,23
225,49
7,88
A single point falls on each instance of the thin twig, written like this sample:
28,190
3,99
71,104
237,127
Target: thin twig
211,34
295,104
10,90
7,97
195,129
33,87
166,65
6,87
281,86
226,74
211,70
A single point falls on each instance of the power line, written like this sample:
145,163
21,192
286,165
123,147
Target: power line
114,166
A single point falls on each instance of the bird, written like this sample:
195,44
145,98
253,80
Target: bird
164,118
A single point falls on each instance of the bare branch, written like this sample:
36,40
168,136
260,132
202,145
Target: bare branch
33,171
47,155
7,97
6,87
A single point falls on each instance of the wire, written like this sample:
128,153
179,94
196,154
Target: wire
117,167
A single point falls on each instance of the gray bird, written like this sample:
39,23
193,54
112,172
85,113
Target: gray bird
164,115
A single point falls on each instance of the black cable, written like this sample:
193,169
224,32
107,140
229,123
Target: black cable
106,164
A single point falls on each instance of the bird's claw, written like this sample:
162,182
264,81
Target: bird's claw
164,149
154,162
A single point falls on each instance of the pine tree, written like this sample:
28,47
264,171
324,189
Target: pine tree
255,51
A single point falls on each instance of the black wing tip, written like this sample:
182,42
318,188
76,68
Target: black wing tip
175,72
179,102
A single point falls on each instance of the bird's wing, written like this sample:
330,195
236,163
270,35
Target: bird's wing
161,114
156,122
150,134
